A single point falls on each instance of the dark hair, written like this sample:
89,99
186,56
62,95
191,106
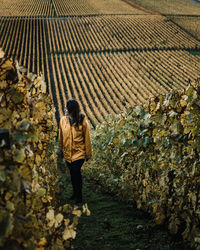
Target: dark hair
73,109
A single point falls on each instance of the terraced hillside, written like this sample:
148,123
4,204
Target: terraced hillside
106,61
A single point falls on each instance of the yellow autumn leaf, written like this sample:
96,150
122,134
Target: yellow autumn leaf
86,210
33,91
8,64
52,157
50,214
66,234
77,212
51,223
3,84
43,155
10,206
5,114
38,160
49,198
42,242
25,172
31,163
37,82
59,217
69,233
144,182
44,200
40,146
155,206
75,221
8,196
122,122
115,140
183,103
56,224
67,221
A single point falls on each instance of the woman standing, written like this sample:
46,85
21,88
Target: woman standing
74,140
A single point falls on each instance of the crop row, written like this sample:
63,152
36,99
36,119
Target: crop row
82,7
51,8
107,83
103,81
117,33
26,8
89,34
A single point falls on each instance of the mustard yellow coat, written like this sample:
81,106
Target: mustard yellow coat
75,142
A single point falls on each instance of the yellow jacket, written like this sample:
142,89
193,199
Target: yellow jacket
75,142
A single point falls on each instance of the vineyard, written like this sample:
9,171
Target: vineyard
56,8
171,7
111,56
189,23
150,155
30,215
185,13
105,62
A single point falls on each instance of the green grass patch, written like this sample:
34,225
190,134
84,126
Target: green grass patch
195,52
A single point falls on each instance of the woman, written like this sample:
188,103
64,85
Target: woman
74,140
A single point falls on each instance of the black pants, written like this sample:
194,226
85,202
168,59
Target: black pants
76,177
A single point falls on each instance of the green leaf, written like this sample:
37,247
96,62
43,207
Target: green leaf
146,141
19,155
16,96
178,159
10,206
18,136
190,91
23,125
59,217
50,214
2,175
41,192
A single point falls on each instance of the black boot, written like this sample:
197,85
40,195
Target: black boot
78,199
73,197
78,196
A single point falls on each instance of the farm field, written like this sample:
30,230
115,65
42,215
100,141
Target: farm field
109,55
108,83
108,62
184,13
191,24
171,7
55,8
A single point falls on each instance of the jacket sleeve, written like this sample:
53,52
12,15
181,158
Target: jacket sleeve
88,149
60,136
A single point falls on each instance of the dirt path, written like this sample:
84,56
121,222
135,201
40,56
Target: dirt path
114,225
